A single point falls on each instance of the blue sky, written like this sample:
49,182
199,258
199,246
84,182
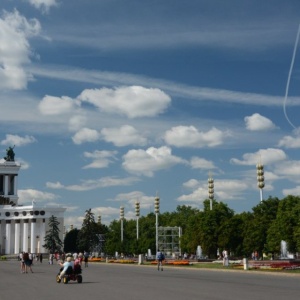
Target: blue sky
110,102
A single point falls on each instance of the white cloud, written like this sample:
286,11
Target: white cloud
201,163
264,156
146,162
132,101
189,136
51,105
293,191
289,142
86,135
27,196
15,49
43,5
101,159
123,136
77,122
288,168
257,122
18,140
93,184
224,190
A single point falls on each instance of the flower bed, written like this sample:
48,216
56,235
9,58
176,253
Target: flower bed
173,262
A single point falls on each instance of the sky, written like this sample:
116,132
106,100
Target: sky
110,102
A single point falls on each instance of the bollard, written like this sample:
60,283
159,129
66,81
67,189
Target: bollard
141,259
245,262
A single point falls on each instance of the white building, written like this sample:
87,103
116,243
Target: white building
22,228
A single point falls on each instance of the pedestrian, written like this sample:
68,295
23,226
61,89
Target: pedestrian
41,258
22,262
86,259
160,258
28,262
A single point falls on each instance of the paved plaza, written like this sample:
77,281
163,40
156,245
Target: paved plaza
128,282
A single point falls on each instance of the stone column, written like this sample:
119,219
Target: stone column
33,236
42,236
25,235
17,236
15,185
5,185
7,236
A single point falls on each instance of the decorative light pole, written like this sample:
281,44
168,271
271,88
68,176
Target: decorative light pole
121,218
137,213
156,209
210,190
260,179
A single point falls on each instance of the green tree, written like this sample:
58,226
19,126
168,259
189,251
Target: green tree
70,241
87,237
256,229
52,240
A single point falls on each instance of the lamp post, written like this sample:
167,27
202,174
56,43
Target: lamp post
137,213
260,179
156,209
121,218
210,190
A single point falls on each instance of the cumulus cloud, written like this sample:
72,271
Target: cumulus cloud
123,136
257,122
189,136
92,184
292,191
43,5
201,163
289,169
51,105
86,135
101,159
15,30
17,140
146,162
27,196
226,190
131,101
265,156
290,142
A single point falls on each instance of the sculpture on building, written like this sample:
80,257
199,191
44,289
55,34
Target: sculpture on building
10,154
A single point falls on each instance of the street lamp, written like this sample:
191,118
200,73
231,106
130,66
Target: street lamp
137,213
156,209
210,190
260,179
121,218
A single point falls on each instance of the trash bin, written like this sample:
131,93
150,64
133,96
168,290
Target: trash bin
245,262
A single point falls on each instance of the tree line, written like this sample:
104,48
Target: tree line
261,230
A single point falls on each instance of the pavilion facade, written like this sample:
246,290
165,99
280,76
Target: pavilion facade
22,228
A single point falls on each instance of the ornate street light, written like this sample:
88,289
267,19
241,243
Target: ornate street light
121,218
137,213
260,179
156,210
210,190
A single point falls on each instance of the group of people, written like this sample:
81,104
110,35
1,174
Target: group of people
26,262
74,261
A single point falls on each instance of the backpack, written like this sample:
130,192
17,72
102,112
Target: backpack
161,256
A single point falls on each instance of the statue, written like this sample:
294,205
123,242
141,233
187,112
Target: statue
10,154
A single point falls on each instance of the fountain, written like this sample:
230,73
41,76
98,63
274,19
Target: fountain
283,250
199,252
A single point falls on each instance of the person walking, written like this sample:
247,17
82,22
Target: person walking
22,262
86,259
160,258
28,262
